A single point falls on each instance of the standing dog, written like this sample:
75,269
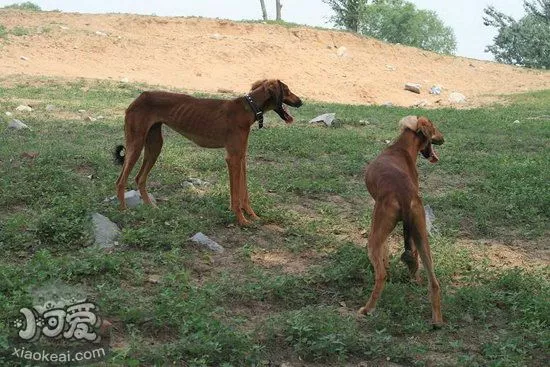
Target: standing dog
210,123
392,180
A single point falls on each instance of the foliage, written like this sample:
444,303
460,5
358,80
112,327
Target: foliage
28,5
395,21
524,42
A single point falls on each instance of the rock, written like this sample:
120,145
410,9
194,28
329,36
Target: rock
50,107
342,51
102,34
436,89
23,108
516,122
81,111
421,103
457,98
154,279
24,58
17,125
105,231
64,27
387,141
387,104
413,87
124,80
203,240
9,114
90,118
216,36
325,118
133,198
100,117
390,67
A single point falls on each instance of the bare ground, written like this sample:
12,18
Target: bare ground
207,55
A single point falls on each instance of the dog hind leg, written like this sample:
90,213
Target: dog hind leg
153,146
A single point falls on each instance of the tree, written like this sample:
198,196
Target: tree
348,13
278,7
395,21
525,42
264,11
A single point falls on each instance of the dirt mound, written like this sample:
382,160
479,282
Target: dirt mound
207,55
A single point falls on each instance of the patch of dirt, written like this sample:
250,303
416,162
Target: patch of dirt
522,254
208,55
284,261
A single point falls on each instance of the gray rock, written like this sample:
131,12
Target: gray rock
105,231
90,119
50,107
413,87
132,199
387,104
325,118
436,89
17,125
23,108
203,240
8,113
457,98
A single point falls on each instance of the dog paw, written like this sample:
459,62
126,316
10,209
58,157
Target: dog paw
366,311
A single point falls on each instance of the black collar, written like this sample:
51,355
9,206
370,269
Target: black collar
258,114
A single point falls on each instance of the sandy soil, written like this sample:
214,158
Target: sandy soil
208,55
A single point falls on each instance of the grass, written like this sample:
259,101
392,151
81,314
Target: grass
491,184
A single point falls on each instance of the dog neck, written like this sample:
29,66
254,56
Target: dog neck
410,142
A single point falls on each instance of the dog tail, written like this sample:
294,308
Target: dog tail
119,157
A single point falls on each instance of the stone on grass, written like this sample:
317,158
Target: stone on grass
413,87
50,107
23,108
90,119
203,240
325,118
105,231
8,113
457,98
17,125
133,198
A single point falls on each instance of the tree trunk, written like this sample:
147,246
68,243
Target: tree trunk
278,8
264,12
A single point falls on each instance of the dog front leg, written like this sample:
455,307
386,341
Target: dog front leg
234,168
245,202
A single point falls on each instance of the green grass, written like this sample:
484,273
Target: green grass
491,184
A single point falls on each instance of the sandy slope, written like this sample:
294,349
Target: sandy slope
210,55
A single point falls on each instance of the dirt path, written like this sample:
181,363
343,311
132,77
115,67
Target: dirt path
210,55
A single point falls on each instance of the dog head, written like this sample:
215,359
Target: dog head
427,131
279,97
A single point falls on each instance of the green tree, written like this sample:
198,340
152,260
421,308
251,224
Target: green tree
525,42
395,21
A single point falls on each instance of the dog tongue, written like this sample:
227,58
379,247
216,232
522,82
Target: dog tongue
433,155
288,116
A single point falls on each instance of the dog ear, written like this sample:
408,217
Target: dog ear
409,122
275,90
425,127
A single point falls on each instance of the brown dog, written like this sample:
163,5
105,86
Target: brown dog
392,180
210,123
